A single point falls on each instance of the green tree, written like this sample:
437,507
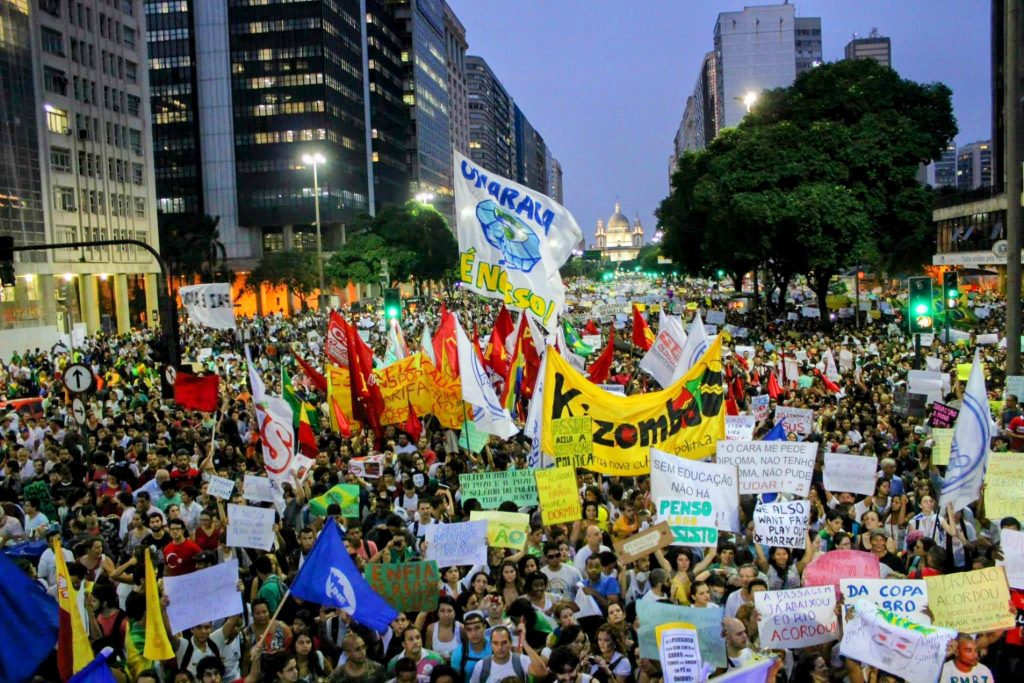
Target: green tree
295,270
191,246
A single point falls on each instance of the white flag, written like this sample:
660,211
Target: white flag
274,417
696,345
972,435
427,343
831,371
209,305
534,417
512,241
666,352
489,416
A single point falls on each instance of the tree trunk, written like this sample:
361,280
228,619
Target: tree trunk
820,286
757,295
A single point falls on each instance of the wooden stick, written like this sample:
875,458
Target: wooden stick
273,618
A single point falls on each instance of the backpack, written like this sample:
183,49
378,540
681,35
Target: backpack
485,664
190,649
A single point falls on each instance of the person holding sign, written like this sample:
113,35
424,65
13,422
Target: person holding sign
781,567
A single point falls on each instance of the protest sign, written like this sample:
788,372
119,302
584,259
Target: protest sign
754,670
665,353
846,473
464,543
715,318
1012,544
707,621
903,597
407,586
971,602
987,339
782,524
942,442
891,642
679,478
692,521
799,421
771,466
679,652
1004,486
203,595
261,489
370,467
644,543
494,488
826,569
760,405
571,440
250,527
739,427
943,416
504,529
559,498
963,371
220,487
209,305
1015,386
796,618
932,384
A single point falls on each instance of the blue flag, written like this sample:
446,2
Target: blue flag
96,671
328,577
28,629
777,433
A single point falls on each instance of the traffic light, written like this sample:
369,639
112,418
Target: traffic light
7,260
920,311
392,304
951,289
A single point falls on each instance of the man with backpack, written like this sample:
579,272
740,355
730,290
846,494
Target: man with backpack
503,662
475,645
204,642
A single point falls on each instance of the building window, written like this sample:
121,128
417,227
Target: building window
135,140
131,71
51,7
53,41
133,105
55,81
57,120
64,198
136,173
60,159
140,207
129,37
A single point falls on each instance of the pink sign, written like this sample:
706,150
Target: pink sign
827,569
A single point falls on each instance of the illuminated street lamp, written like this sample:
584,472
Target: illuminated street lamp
425,197
749,100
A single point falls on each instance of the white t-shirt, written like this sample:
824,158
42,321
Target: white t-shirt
979,674
733,603
33,523
563,582
230,654
500,671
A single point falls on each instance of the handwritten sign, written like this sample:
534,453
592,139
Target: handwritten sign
942,442
679,652
259,489
692,521
572,438
559,498
826,569
891,642
771,466
782,524
504,529
407,586
796,618
678,478
799,421
250,527
464,543
494,488
1012,544
850,473
903,597
202,596
707,621
739,427
370,467
644,543
943,415
971,602
715,318
1004,485
760,405
220,487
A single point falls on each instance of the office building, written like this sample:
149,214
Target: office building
874,46
458,95
700,124
974,165
491,119
76,164
945,168
554,168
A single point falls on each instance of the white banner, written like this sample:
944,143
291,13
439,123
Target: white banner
250,527
782,524
674,478
895,644
799,421
209,305
770,466
1012,544
464,543
274,418
512,241
665,353
904,597
203,596
850,473
797,618
739,427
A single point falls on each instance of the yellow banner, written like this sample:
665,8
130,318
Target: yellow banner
970,602
401,384
559,498
686,419
445,396
1004,486
504,529
339,388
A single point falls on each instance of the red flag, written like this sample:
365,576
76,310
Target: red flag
413,427
496,354
591,328
446,348
336,341
194,392
773,386
643,337
317,378
343,424
731,408
829,384
602,365
367,401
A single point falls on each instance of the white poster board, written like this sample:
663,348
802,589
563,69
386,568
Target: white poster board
770,466
846,473
202,596
250,527
797,618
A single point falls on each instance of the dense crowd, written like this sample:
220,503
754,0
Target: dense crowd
134,476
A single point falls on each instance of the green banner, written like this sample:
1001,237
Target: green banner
494,488
407,586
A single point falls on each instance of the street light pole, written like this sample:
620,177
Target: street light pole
315,160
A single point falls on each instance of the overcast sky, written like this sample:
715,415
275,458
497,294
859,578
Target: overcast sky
605,81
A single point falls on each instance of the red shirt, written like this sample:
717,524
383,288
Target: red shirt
1015,636
1017,427
207,541
180,558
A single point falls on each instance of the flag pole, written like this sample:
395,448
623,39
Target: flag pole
273,618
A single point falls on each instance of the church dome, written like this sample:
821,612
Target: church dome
617,220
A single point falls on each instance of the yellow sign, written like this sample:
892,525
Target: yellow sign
572,437
686,419
942,441
445,396
1004,485
401,384
559,498
339,389
963,371
504,529
971,602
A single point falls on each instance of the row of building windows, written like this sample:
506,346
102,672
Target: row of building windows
167,7
170,62
284,25
94,201
289,80
91,165
279,136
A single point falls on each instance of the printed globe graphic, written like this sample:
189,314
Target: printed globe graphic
503,230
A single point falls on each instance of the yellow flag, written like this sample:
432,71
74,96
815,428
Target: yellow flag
158,645
585,426
74,652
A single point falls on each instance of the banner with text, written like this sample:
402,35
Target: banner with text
846,473
796,618
673,477
782,524
494,488
771,466
895,644
209,305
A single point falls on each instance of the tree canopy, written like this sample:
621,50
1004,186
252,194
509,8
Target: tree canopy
191,246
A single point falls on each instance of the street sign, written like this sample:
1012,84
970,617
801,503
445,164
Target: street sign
170,374
78,410
78,378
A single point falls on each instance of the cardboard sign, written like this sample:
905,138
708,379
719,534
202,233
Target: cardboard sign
846,473
692,521
1004,486
407,586
707,621
1015,386
782,524
943,416
971,602
828,568
679,652
760,406
942,442
571,438
903,597
771,466
911,651
250,527
644,543
1012,544
494,488
739,427
797,618
799,421
677,478
464,543
559,498
203,595
504,529
220,487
